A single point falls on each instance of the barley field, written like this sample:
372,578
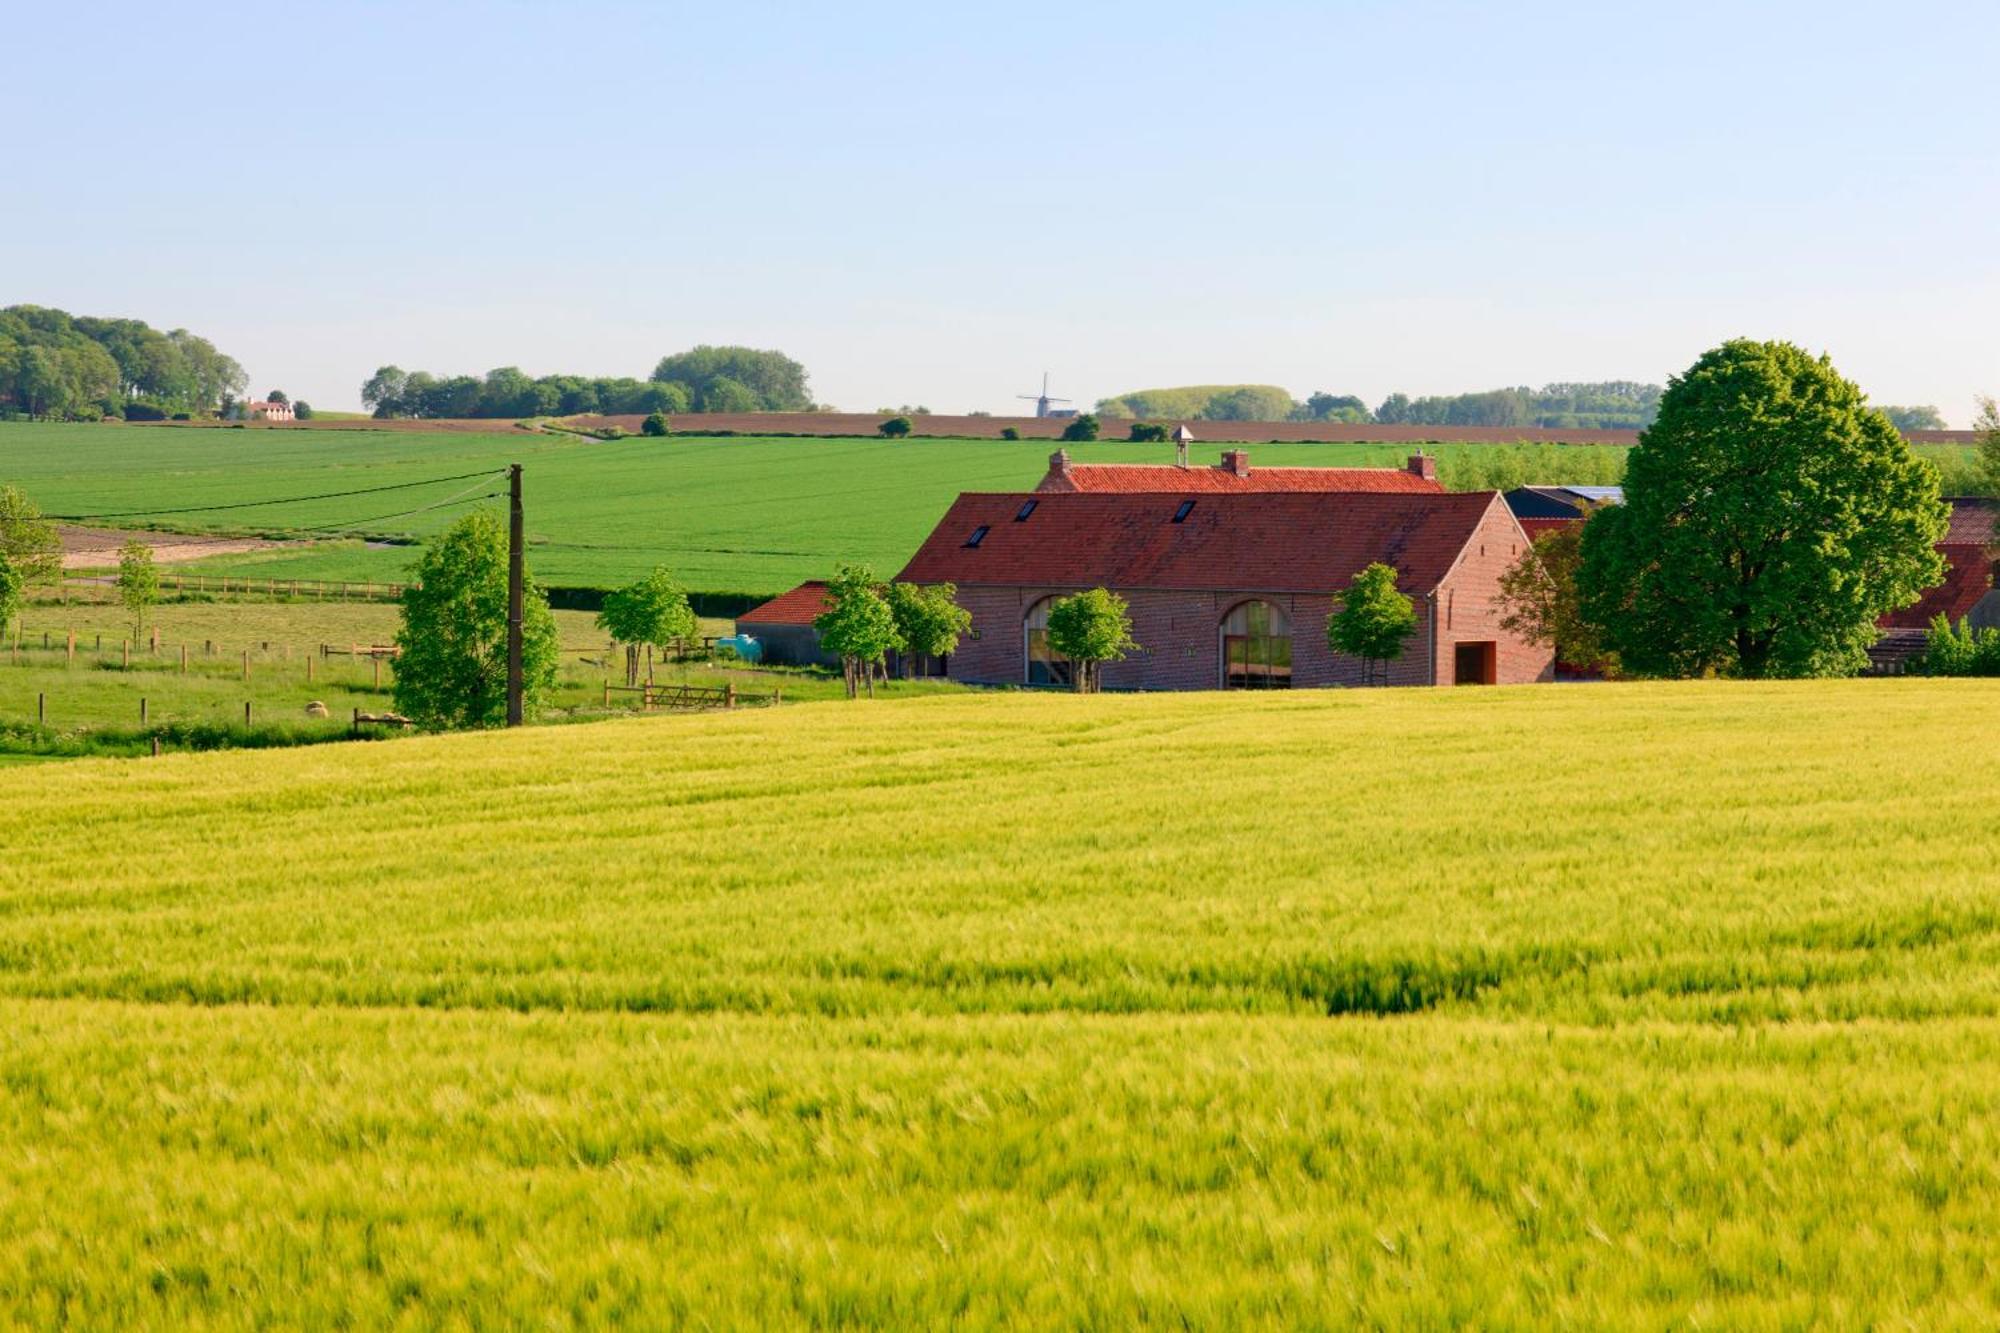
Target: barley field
1623,1006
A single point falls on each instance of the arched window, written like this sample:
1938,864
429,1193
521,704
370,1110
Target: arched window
1046,666
1256,647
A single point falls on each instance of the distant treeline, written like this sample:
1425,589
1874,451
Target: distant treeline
81,368
1611,405
705,379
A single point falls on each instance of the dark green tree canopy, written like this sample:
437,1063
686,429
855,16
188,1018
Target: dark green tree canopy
53,364
1081,429
1770,518
707,379
738,379
929,620
895,427
1090,628
452,669
654,610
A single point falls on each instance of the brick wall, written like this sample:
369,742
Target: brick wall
1468,609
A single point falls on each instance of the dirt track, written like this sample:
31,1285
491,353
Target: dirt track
97,548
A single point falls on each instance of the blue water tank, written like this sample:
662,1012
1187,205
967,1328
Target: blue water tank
743,646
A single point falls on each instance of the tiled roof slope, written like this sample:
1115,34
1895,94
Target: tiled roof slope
797,607
1145,478
1266,541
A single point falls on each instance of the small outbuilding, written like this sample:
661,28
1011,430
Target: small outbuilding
784,626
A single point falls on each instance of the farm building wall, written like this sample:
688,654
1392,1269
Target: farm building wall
788,645
1468,606
1180,638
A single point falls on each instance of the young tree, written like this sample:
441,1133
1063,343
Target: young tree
27,539
12,586
1148,432
1770,518
1539,597
1373,621
138,582
895,427
1090,629
656,425
452,668
929,620
1080,428
857,626
654,610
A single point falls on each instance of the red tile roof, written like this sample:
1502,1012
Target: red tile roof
1974,521
1264,541
1151,478
1535,527
1968,576
797,607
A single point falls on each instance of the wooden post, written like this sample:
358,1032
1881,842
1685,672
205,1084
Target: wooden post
125,653
45,638
70,659
729,694
607,691
309,669
208,647
156,747
246,665
156,638
184,659
41,710
246,713
378,671
777,694
142,710
357,721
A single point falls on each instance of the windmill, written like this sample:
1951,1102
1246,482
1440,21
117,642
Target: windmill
1041,402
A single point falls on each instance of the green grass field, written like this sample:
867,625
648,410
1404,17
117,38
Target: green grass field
727,515
91,704
1622,1006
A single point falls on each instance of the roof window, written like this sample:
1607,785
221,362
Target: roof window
1180,515
1026,510
978,536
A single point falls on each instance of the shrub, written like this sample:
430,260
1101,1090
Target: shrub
1960,650
140,410
302,410
1148,432
895,427
1010,432
1080,428
656,424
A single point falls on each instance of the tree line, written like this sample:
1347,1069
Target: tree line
702,379
58,366
1608,405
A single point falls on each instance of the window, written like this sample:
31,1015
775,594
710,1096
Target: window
1046,666
978,536
1026,510
1256,648
1187,507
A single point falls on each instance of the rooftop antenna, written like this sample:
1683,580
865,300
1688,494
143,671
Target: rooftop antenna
1042,401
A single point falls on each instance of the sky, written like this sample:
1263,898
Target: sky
934,203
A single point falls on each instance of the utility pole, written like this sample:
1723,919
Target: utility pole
516,539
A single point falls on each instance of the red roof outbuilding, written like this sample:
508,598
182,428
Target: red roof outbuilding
800,606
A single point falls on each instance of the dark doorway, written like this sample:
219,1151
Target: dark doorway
1475,664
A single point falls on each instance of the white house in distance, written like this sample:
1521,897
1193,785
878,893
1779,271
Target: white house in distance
269,412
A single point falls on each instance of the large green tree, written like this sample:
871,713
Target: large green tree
737,379
1770,518
28,540
1374,621
451,670
1988,426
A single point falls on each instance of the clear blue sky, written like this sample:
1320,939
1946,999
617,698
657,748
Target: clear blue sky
936,202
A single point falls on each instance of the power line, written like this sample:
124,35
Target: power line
261,504
462,497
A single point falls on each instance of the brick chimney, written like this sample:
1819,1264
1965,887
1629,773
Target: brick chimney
1058,477
1423,465
1236,462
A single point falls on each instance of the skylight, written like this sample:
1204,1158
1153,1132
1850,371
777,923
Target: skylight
1026,510
978,536
1187,507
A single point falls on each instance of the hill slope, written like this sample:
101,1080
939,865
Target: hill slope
1402,1007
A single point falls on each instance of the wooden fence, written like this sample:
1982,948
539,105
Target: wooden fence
693,696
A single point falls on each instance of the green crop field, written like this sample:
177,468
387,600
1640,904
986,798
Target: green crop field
1639,1006
727,515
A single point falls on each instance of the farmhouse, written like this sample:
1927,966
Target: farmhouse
784,626
1967,592
1229,588
1234,475
263,411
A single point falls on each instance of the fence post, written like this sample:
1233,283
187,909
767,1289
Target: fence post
45,638
378,672
184,659
142,710
156,747
41,710
70,659
777,694
607,691
309,668
729,694
125,653
246,667
246,714
156,638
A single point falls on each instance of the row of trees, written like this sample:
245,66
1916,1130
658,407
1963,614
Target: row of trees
55,365
1609,405
1770,519
703,379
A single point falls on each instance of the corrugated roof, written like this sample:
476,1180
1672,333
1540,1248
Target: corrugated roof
1268,541
797,607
